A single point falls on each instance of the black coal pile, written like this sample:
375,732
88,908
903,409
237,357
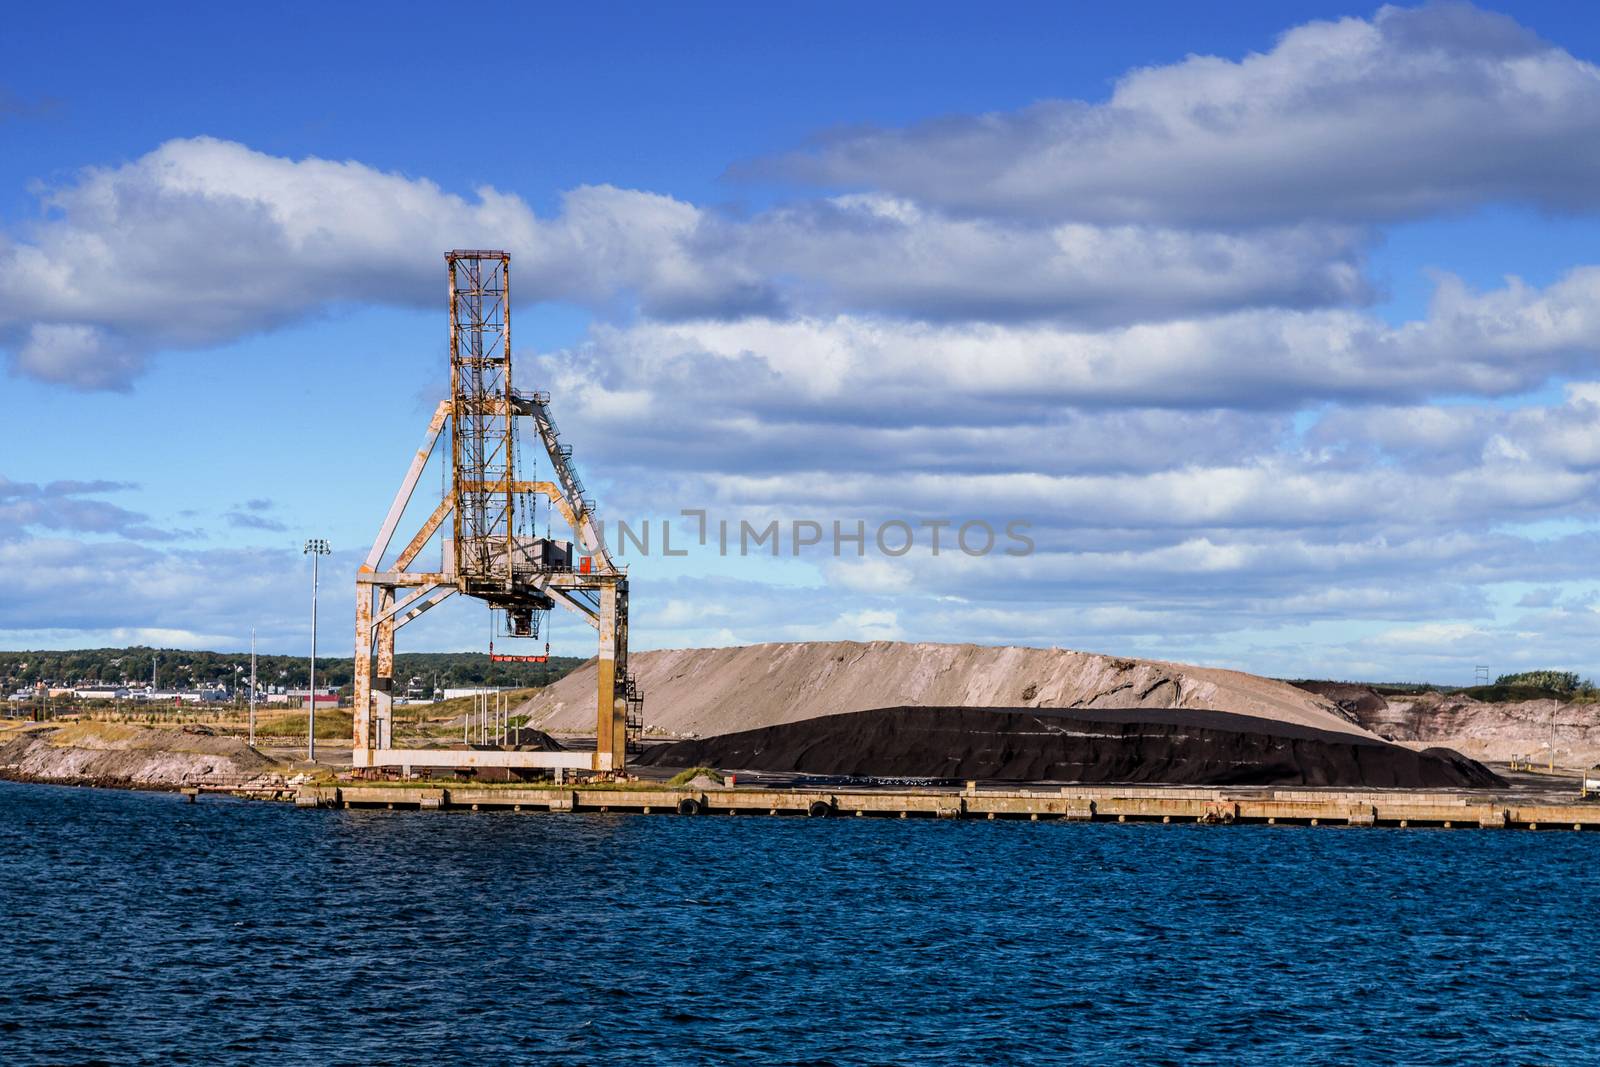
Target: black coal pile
1362,701
527,739
520,738
1129,745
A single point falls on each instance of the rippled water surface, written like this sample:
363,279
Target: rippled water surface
139,928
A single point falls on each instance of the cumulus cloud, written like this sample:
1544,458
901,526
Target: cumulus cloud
59,584
1166,553
873,370
26,507
1048,245
1140,325
1409,113
1444,439
202,241
77,354
890,255
247,520
254,514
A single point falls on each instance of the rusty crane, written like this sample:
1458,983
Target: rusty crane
490,552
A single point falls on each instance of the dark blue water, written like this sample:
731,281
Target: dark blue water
142,929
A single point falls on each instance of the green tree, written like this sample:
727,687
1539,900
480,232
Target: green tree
1558,681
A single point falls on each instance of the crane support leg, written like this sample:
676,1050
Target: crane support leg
361,741
610,740
383,685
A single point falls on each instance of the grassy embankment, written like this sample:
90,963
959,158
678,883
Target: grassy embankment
1497,693
414,723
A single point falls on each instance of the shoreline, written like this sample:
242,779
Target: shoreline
1265,806
1159,804
194,762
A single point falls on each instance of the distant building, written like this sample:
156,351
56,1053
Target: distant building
179,696
452,694
326,697
100,692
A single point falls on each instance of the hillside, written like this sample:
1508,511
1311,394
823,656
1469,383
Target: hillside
704,691
1496,730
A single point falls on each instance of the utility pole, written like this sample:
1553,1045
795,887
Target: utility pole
252,687
315,548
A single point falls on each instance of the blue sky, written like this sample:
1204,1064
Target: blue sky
1218,302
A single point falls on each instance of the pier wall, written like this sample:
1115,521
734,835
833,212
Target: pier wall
1084,804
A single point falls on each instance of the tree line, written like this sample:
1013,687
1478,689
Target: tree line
1556,681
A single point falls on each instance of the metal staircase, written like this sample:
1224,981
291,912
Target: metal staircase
635,715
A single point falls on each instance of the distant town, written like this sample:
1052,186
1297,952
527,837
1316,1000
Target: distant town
179,677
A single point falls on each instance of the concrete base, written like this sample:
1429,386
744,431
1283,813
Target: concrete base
1077,804
426,757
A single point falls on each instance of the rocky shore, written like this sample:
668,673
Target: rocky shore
117,755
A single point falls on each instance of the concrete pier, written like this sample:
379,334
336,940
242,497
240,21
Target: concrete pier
1305,807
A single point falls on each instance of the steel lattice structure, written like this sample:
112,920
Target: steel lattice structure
481,431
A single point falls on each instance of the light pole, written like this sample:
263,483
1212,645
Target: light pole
252,687
315,548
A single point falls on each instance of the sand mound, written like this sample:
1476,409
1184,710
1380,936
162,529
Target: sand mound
1146,745
717,690
1360,702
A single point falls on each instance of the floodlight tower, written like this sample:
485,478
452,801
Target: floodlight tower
316,548
490,556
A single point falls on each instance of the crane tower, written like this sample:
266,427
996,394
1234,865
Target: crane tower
492,553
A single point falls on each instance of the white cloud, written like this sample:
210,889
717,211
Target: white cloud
1412,112
60,583
869,625
202,241
875,575
76,354
28,507
1429,637
887,255
1109,320
873,370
